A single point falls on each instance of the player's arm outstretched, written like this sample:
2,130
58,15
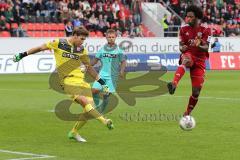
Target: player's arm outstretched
19,56
93,73
94,61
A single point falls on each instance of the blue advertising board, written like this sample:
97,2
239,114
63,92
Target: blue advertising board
146,62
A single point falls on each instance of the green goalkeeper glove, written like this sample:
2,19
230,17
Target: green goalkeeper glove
104,86
19,56
105,89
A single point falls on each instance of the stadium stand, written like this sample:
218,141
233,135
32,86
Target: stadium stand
40,18
44,18
222,16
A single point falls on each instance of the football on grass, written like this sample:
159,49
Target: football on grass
187,123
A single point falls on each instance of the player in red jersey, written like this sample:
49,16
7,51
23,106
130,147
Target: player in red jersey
194,44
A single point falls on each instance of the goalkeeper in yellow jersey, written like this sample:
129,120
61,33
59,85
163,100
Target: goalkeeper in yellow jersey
70,55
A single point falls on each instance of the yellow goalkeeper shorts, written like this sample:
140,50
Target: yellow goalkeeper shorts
75,87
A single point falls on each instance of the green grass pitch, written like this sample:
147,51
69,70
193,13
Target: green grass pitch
28,125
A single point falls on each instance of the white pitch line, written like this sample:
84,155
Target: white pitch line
35,156
27,90
42,157
201,97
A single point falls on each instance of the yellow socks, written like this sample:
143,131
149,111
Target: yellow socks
91,111
95,113
78,125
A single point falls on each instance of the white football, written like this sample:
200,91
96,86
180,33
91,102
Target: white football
187,123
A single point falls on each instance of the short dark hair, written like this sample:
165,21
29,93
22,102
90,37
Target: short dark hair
80,31
196,10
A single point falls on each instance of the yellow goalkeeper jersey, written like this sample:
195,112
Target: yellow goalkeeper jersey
68,58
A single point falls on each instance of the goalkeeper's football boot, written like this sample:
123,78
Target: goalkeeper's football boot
109,124
76,136
171,88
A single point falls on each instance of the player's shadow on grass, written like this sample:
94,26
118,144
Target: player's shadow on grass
125,92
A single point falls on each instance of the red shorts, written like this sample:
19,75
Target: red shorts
197,68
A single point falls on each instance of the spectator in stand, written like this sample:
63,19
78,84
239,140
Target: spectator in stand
136,8
19,32
117,28
51,8
103,24
9,15
98,11
71,5
77,22
68,28
132,32
63,5
3,23
58,12
85,4
119,33
78,13
17,3
165,24
216,46
225,13
114,15
115,6
121,14
87,13
216,11
93,23
126,34
128,22
138,31
9,3
122,24
110,16
238,29
66,15
122,19
2,10
39,8
19,14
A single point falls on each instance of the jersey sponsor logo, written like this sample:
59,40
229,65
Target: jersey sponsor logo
109,55
64,45
70,55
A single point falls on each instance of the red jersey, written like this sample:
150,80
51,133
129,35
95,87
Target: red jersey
188,34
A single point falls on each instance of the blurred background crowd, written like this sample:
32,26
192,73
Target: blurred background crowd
46,18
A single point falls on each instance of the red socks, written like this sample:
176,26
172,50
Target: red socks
178,74
191,104
177,77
